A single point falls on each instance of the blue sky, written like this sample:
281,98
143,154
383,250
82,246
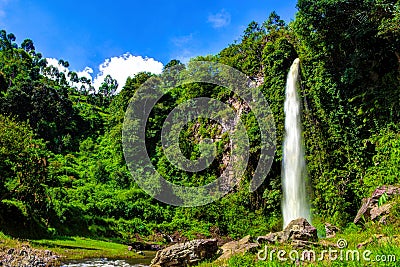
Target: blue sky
87,33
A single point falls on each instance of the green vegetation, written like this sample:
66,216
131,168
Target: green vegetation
62,168
386,248
81,248
72,248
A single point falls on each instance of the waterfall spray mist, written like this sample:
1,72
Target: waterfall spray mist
295,203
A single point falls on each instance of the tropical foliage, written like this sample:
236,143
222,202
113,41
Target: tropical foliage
62,168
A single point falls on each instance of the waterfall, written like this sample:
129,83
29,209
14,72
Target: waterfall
295,202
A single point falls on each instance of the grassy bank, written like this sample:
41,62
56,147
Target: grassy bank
73,248
81,247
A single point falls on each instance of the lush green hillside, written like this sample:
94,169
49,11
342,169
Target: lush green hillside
62,167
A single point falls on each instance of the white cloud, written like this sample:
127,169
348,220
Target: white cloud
87,73
122,67
220,19
54,62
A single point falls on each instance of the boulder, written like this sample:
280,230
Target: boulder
237,247
390,190
271,238
331,230
297,230
27,256
185,254
369,206
378,211
140,245
300,229
301,244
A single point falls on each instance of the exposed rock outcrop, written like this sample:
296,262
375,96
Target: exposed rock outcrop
300,229
185,254
370,208
237,247
25,256
137,246
299,232
331,230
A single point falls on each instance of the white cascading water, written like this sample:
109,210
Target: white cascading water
295,202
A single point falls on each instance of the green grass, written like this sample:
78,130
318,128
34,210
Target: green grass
80,248
354,235
6,241
75,248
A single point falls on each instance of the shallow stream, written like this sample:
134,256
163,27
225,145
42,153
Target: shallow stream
103,262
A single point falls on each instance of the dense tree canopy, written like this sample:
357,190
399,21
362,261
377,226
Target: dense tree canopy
61,157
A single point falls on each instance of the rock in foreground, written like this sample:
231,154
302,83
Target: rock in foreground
370,208
185,254
299,231
237,247
331,230
26,256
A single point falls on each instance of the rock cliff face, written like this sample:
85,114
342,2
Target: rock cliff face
227,180
185,254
